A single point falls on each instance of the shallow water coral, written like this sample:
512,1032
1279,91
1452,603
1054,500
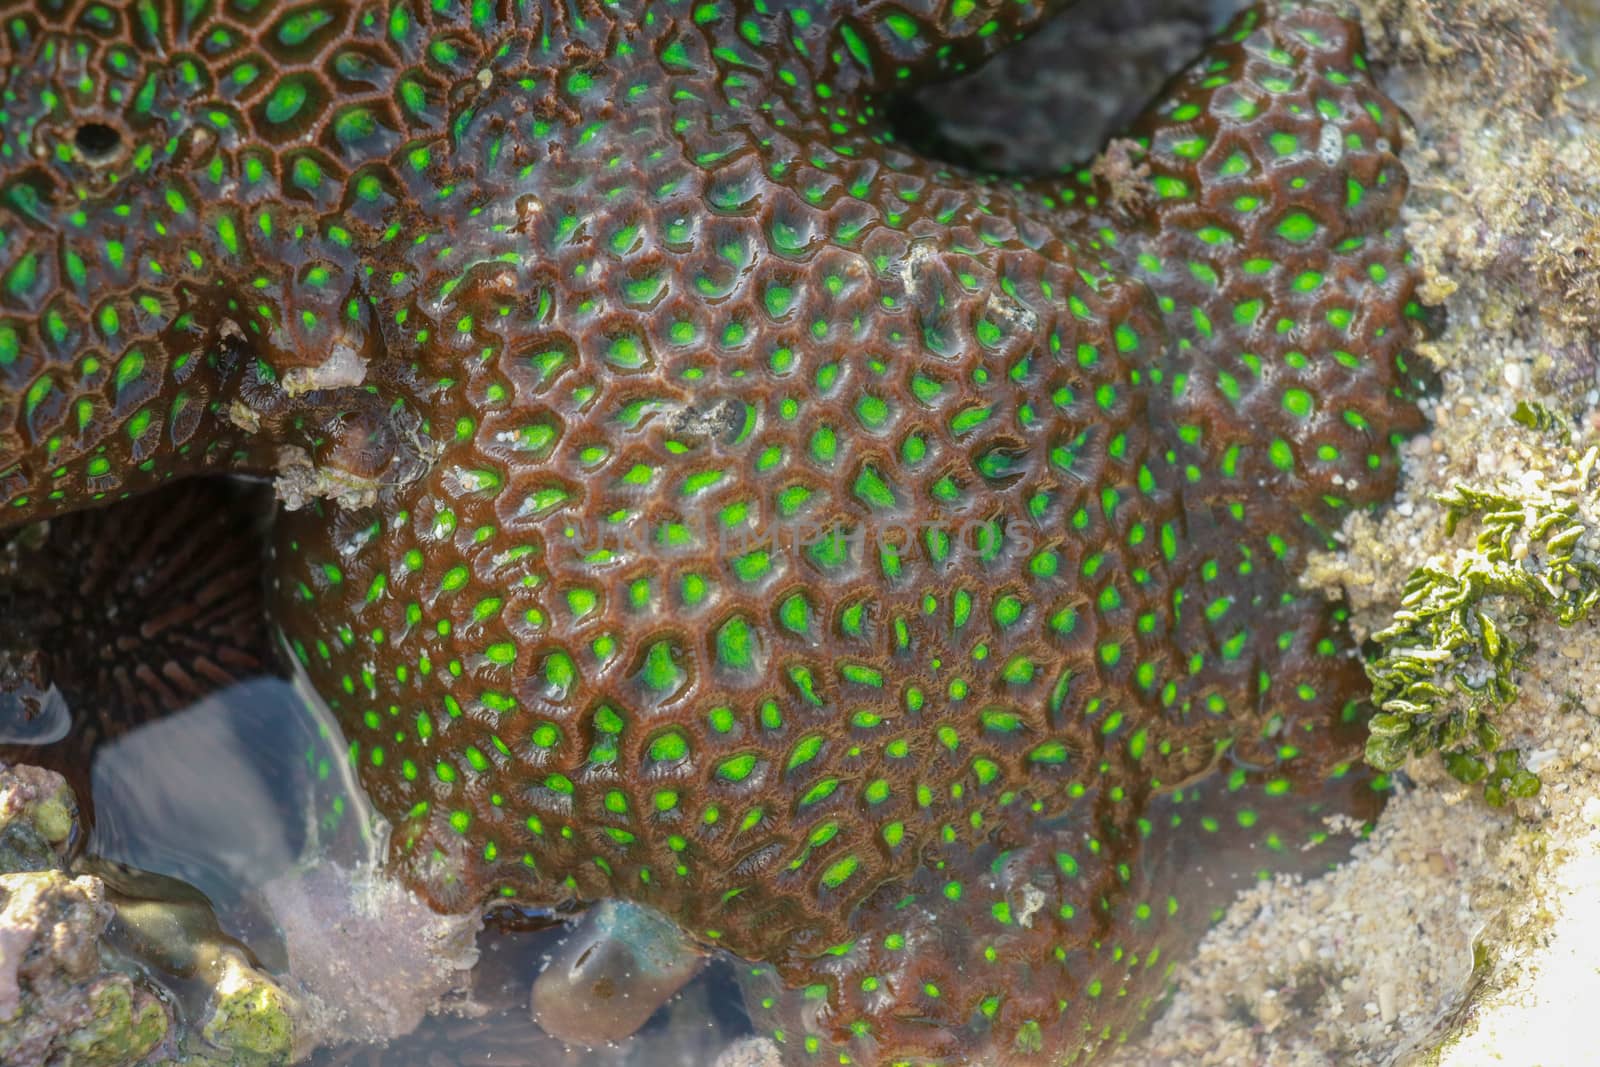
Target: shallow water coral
693,497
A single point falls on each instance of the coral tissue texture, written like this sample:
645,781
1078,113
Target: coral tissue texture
691,496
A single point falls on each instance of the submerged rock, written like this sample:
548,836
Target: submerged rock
252,1018
59,1002
38,819
77,951
620,963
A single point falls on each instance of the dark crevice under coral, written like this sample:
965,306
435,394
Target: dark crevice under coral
126,613
691,496
1050,103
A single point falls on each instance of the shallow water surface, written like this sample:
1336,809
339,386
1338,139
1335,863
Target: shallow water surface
238,798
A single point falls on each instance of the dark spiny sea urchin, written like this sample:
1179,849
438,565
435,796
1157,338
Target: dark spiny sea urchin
127,613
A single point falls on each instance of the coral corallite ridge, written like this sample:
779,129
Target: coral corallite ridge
690,495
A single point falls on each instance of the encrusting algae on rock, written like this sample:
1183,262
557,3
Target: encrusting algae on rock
692,497
59,1002
75,989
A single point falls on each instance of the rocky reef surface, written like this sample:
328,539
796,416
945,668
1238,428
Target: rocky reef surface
58,999
104,963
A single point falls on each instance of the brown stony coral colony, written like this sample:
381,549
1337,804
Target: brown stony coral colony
690,496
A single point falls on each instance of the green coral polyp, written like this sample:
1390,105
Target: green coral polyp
757,521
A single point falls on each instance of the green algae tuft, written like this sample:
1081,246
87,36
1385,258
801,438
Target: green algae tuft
1448,661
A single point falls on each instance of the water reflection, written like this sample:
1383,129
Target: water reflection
228,795
30,716
496,1030
237,827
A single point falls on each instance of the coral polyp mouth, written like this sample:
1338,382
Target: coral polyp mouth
98,143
